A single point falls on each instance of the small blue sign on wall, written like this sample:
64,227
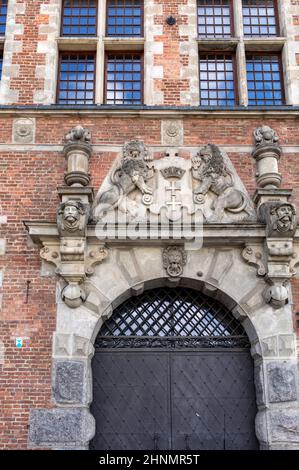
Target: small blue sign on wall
19,342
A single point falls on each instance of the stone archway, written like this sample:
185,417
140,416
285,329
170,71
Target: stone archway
181,363
128,271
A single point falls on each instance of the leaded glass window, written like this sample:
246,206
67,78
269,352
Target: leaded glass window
79,18
214,18
124,78
76,82
3,16
260,18
264,80
216,80
124,18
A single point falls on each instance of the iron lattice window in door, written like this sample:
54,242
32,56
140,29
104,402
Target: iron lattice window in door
168,317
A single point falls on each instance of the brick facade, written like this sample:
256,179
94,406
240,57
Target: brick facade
30,173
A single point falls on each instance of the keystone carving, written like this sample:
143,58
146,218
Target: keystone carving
174,260
132,174
209,168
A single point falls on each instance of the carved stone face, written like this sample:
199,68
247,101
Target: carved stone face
175,264
71,214
284,216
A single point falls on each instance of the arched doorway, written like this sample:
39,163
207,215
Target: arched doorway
172,370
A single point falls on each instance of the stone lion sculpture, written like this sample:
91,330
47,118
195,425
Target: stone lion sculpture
132,173
209,168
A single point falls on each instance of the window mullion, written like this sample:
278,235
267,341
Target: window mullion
241,73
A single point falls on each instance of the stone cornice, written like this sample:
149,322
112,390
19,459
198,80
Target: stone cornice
290,112
226,234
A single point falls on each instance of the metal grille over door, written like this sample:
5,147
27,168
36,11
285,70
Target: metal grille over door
172,370
179,317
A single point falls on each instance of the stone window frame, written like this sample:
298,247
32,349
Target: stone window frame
243,45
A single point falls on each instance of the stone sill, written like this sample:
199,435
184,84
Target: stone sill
251,44
236,112
77,43
264,44
210,44
121,44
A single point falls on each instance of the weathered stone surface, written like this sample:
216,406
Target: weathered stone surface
281,381
285,425
261,427
60,426
23,131
172,132
68,381
259,384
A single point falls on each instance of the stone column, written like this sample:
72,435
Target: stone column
267,154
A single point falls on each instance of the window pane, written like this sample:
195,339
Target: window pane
79,18
217,87
214,18
124,17
264,80
76,79
3,14
259,18
122,84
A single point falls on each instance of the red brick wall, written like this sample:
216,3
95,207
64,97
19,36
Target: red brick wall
28,183
28,192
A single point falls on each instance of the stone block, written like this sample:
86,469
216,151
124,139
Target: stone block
23,131
281,377
60,426
269,346
287,345
259,384
2,246
172,132
285,425
69,382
